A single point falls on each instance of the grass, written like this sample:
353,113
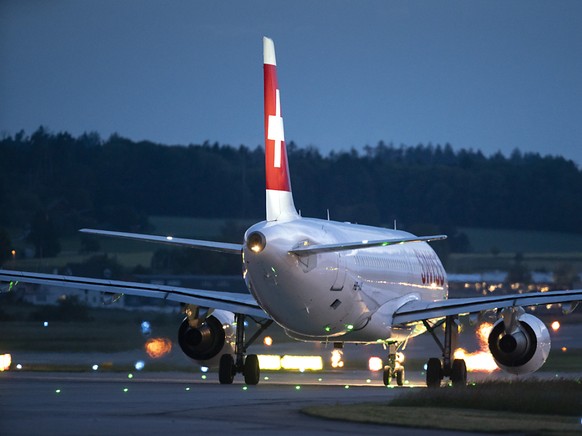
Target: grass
560,397
203,228
108,330
530,406
448,419
525,241
132,253
542,250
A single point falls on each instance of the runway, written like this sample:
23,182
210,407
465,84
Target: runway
186,402
179,403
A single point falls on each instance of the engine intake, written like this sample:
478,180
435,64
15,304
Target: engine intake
204,342
522,351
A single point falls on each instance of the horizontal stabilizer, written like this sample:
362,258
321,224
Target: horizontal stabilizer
223,247
307,250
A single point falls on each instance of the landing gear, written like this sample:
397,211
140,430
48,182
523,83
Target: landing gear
459,373
251,369
400,376
455,370
226,369
230,365
434,372
394,368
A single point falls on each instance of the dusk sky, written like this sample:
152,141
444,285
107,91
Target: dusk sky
489,75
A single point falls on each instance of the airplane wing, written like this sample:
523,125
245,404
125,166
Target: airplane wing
422,310
307,250
223,247
236,303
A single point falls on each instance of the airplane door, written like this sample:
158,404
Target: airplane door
340,279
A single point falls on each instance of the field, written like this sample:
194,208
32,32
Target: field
491,249
526,407
522,241
133,253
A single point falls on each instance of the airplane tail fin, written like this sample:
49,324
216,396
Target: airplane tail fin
280,206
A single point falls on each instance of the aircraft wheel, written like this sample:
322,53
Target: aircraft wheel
387,376
459,373
226,369
251,370
400,376
434,373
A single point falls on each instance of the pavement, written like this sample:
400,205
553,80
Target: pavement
180,403
100,402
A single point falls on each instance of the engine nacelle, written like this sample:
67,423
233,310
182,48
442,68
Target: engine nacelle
523,351
207,342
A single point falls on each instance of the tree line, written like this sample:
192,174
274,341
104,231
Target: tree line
56,179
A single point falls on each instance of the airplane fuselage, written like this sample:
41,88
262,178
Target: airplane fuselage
345,295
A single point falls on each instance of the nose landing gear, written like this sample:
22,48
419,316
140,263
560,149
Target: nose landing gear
394,367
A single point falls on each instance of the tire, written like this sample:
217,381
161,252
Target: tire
434,373
400,376
251,370
226,369
459,373
387,376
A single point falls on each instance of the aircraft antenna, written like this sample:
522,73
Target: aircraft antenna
395,224
328,215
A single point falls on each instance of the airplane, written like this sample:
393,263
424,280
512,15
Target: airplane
331,282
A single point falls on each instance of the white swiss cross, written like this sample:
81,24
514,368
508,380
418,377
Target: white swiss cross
276,132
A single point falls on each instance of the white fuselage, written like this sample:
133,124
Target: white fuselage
344,295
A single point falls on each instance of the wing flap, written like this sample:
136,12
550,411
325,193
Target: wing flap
236,303
223,247
422,310
308,250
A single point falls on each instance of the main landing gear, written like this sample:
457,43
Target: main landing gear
454,369
230,365
393,368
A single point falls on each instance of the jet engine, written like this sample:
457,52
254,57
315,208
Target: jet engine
524,349
210,339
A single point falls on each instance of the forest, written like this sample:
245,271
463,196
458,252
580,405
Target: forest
58,182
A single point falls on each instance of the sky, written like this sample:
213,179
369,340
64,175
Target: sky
489,75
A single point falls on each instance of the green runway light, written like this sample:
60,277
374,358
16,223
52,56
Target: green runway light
245,388
346,386
266,378
130,375
203,377
187,389
297,387
57,391
319,379
125,389
368,381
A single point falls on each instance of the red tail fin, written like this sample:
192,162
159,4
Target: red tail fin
279,198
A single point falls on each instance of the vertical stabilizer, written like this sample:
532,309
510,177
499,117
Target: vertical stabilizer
280,204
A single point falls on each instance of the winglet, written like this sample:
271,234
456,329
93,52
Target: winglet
280,205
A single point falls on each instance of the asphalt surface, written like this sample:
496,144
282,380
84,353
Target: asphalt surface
179,403
98,403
